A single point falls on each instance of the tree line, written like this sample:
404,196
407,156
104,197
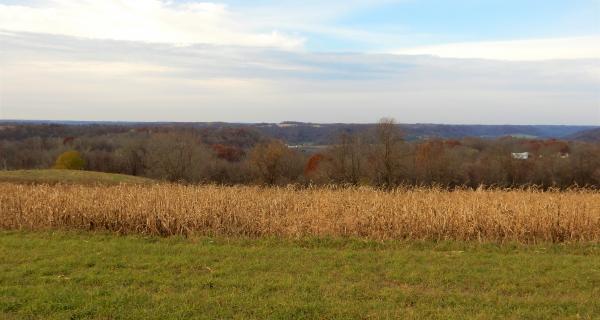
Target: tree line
378,157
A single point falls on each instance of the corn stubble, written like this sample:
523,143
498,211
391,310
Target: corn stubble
525,216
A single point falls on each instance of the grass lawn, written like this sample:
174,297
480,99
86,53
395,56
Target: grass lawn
52,176
67,275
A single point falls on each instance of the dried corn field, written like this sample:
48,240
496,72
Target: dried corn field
421,214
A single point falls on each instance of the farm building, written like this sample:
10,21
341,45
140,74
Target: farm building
520,155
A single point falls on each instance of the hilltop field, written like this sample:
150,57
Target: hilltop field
165,251
79,177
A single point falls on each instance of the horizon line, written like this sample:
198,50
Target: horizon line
281,122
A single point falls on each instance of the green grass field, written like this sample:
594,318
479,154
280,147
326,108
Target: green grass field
68,275
52,176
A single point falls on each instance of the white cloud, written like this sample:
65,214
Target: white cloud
517,50
143,20
58,77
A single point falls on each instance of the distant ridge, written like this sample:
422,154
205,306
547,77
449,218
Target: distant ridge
591,135
312,133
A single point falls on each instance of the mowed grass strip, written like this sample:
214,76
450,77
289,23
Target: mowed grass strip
527,216
101,276
81,177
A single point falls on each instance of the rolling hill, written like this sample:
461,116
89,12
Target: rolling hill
592,135
53,176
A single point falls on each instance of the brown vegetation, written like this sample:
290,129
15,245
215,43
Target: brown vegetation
378,156
413,213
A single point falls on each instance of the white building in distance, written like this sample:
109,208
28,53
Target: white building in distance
520,155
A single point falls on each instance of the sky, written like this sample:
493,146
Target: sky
418,61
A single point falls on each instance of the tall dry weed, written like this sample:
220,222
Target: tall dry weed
526,216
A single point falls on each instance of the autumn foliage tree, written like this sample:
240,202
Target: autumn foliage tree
229,153
313,164
70,160
274,162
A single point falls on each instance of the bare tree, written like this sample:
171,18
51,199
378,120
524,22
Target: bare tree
389,138
176,157
346,158
132,156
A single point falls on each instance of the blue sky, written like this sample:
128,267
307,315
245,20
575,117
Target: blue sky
431,22
426,22
462,61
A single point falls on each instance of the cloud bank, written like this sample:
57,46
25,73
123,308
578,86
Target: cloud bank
154,60
60,77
